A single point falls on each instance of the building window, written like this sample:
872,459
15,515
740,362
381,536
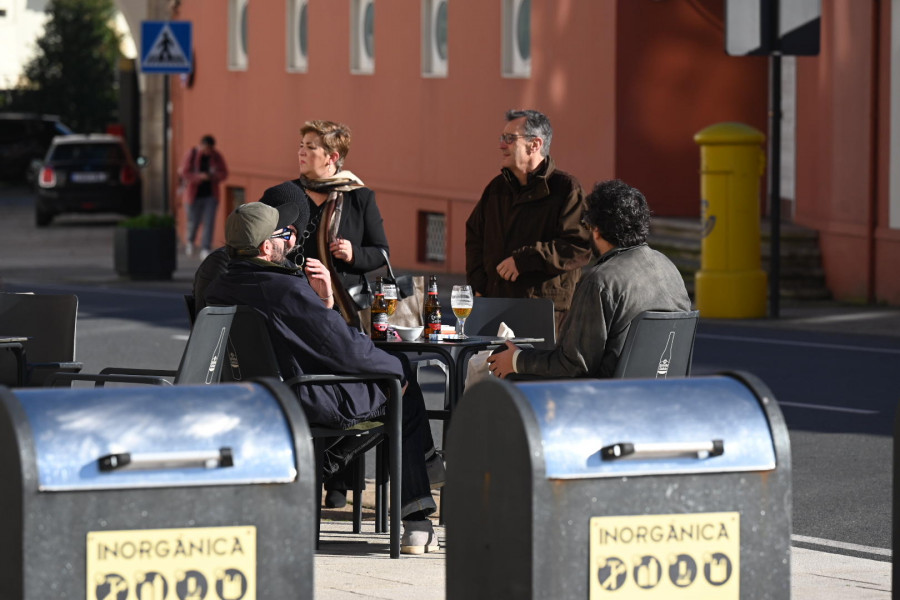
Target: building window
432,245
362,36
237,34
434,38
516,38
297,35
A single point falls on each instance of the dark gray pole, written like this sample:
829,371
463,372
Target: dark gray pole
165,148
774,167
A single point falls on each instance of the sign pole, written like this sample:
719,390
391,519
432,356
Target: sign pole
775,184
166,48
165,148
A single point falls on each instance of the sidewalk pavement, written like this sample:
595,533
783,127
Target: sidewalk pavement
352,566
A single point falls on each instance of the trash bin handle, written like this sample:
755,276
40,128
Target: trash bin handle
666,450
204,459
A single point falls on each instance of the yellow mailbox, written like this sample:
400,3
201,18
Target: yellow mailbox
731,283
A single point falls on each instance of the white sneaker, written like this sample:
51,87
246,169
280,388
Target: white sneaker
418,538
204,253
188,249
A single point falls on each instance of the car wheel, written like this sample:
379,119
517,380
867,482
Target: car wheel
42,218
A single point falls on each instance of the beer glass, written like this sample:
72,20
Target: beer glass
461,300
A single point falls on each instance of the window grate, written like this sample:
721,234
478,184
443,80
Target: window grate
434,238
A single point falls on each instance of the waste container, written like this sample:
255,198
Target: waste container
156,493
622,489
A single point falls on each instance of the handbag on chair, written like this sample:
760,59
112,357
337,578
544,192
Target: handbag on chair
410,292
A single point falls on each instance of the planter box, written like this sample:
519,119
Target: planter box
145,253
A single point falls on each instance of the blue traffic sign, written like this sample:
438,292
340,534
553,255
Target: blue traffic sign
166,47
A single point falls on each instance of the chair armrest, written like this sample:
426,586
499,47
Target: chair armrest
131,371
341,378
59,379
71,366
395,394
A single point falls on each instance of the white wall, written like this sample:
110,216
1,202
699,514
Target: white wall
23,23
20,26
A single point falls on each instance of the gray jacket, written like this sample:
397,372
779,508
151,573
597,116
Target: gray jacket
623,283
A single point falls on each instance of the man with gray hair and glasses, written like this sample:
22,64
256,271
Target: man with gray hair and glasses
523,238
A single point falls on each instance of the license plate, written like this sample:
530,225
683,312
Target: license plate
92,177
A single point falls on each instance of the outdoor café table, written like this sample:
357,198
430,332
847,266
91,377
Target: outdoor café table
16,345
455,353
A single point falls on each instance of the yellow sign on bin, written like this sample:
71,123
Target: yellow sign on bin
156,564
666,557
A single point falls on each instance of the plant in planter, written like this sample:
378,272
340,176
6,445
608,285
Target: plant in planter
145,247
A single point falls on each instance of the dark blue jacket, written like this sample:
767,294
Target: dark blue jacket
309,339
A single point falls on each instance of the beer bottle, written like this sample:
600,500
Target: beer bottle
379,313
432,308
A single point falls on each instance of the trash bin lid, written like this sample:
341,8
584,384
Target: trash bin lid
136,437
617,428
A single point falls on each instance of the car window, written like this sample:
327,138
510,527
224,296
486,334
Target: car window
88,152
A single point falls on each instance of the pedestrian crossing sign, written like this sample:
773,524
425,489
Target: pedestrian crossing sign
166,47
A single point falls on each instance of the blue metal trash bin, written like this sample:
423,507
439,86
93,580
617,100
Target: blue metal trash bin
622,489
156,492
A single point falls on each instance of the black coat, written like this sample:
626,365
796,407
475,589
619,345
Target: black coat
362,225
309,339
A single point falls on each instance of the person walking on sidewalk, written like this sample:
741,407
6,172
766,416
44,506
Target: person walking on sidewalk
202,170
523,239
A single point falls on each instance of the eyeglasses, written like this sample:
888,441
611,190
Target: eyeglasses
284,234
509,138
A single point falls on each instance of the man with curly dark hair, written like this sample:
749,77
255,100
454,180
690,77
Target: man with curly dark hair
627,279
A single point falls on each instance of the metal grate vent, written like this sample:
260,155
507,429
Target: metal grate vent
435,244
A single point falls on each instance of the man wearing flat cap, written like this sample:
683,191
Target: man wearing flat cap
283,194
309,338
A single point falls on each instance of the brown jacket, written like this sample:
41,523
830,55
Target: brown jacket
539,225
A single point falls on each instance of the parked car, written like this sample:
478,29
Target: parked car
25,137
87,173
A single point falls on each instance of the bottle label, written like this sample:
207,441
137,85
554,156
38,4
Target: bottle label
379,321
433,324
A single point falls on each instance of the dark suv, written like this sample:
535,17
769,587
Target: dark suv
87,173
25,137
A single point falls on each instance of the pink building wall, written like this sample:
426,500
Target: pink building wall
626,83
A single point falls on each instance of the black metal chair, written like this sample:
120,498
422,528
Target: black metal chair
251,355
49,322
201,364
527,317
659,345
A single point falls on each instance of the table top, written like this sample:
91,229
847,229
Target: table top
468,341
12,339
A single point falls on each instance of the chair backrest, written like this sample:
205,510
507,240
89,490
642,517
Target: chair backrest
527,317
191,305
48,320
250,351
659,345
205,354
